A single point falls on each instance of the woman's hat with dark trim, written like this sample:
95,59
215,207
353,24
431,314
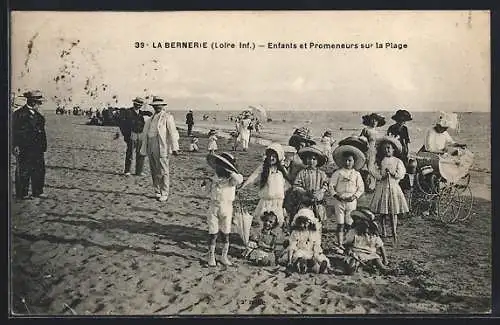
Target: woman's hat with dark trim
359,142
313,150
402,115
301,135
340,151
225,160
379,118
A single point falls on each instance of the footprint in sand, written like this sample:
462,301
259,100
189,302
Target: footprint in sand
290,286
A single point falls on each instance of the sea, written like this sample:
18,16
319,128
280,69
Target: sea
474,127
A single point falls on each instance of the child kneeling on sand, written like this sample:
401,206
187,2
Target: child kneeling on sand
222,192
304,250
363,242
260,249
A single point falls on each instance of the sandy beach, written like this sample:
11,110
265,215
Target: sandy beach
102,245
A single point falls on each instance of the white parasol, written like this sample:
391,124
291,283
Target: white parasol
259,112
242,222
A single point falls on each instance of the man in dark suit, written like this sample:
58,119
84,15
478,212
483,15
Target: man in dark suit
131,125
29,143
190,122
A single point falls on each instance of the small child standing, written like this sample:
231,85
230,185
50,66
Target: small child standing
363,241
388,170
313,180
193,146
272,176
212,141
222,193
326,143
346,186
260,249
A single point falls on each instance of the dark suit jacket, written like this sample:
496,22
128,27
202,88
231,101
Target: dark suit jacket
28,130
189,118
130,121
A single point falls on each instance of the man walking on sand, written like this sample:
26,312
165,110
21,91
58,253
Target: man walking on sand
162,139
190,122
29,143
131,126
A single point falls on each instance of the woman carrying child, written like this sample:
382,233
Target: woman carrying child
346,186
260,249
370,132
222,194
272,176
388,170
363,242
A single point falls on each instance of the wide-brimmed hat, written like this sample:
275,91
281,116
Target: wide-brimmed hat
138,100
402,115
158,101
225,160
359,157
447,120
295,139
270,214
276,147
314,150
359,142
379,118
33,94
393,140
364,214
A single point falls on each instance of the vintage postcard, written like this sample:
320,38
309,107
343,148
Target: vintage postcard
250,163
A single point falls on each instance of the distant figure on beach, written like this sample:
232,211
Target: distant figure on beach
131,125
212,141
370,132
162,140
400,131
243,127
222,194
272,178
326,144
193,146
190,122
29,143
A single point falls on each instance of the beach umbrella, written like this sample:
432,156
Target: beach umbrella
259,112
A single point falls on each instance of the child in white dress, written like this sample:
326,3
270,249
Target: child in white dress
388,198
212,141
272,178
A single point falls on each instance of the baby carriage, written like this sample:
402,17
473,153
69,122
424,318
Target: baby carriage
442,185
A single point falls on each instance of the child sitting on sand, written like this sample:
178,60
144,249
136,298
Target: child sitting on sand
222,192
304,250
212,141
346,186
272,177
193,146
363,241
260,249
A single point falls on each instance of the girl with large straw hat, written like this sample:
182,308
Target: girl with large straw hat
346,186
272,178
222,194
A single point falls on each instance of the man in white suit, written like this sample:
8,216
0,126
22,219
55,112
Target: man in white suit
162,139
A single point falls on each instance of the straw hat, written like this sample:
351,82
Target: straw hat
34,95
379,118
301,135
315,150
402,115
359,142
138,100
364,214
276,147
359,157
393,140
225,160
158,101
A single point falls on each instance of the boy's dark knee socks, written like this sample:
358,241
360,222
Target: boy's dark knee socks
225,238
212,239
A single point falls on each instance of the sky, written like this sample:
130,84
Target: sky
446,65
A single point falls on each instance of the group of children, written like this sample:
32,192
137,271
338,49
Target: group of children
358,237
